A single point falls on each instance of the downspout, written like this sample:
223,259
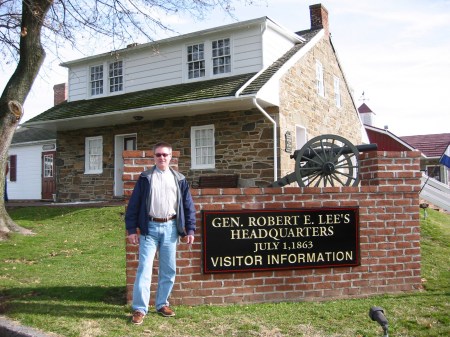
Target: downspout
275,137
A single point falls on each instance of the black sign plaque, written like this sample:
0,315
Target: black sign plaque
261,240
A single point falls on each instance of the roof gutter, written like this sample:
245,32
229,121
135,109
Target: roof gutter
204,102
38,142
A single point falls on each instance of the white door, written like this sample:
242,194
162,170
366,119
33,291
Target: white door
122,143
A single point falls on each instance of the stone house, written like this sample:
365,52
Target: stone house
236,99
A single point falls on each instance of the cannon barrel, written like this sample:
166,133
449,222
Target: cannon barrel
311,153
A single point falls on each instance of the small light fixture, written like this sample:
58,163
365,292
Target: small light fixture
377,314
424,206
138,118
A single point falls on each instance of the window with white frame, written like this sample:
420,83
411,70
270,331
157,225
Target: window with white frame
202,147
96,80
93,155
116,76
196,60
48,166
434,171
221,56
319,79
337,91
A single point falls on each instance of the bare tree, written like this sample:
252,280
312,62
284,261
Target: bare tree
29,27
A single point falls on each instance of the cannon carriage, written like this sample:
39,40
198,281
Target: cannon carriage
326,160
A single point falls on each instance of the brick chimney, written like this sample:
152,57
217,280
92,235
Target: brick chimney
59,93
319,18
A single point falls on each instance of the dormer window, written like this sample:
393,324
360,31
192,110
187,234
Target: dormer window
196,60
109,81
116,76
208,59
221,56
97,80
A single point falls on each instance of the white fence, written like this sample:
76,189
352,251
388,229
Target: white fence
435,192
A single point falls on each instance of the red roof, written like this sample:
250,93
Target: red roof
430,145
364,109
386,140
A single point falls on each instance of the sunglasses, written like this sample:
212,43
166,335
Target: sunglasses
162,154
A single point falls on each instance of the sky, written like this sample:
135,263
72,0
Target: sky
395,52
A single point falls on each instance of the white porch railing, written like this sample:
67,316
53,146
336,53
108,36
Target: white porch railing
435,192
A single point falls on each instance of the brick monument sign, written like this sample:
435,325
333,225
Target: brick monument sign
298,243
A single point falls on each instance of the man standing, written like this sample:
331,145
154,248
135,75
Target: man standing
161,206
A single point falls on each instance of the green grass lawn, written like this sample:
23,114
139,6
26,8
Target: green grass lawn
69,279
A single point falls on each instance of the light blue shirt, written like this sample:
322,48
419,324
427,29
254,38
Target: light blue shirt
164,194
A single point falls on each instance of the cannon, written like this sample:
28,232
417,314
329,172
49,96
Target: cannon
326,160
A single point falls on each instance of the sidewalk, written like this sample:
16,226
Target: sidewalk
9,328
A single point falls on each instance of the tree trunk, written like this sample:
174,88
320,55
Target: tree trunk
17,89
9,124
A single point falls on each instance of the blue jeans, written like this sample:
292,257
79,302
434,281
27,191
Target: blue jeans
162,237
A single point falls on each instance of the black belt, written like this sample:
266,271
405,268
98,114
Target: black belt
150,218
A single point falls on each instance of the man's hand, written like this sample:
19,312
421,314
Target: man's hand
133,239
189,239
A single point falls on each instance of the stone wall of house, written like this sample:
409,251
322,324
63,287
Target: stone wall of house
301,105
244,145
389,235
72,184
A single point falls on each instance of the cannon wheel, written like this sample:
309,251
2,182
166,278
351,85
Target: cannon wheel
322,162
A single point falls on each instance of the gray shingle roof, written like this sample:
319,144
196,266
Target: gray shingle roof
432,145
26,135
258,82
200,90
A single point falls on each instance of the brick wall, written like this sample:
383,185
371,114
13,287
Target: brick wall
60,92
389,237
319,17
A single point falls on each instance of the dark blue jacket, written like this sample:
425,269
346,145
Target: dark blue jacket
139,205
